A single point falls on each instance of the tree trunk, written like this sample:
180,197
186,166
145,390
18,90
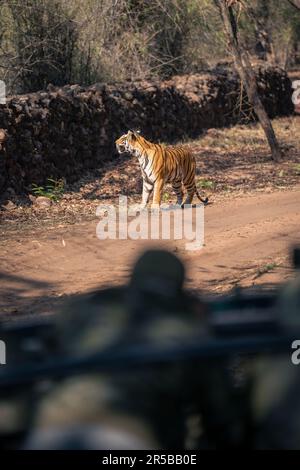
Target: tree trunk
244,68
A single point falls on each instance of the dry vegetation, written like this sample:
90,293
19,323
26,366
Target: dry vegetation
75,41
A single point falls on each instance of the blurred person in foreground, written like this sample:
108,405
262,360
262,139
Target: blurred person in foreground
173,403
177,403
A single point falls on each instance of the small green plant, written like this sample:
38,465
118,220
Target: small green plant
206,184
266,269
166,197
53,190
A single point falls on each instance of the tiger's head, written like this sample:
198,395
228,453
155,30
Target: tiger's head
132,142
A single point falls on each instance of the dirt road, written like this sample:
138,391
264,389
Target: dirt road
247,242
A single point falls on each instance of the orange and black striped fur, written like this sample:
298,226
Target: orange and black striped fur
161,164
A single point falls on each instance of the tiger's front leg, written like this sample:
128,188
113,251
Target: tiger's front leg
147,190
158,185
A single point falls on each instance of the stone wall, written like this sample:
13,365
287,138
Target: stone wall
62,132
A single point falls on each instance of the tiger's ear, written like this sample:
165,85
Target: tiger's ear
131,134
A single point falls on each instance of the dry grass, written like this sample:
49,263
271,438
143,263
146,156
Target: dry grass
238,159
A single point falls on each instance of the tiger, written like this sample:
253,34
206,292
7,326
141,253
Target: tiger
161,164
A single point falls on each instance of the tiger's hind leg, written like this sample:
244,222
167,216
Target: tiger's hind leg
190,188
190,185
177,188
190,194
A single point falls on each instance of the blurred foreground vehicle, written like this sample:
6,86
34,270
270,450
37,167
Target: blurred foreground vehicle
147,366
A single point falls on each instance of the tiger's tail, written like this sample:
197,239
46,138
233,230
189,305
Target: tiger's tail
205,200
